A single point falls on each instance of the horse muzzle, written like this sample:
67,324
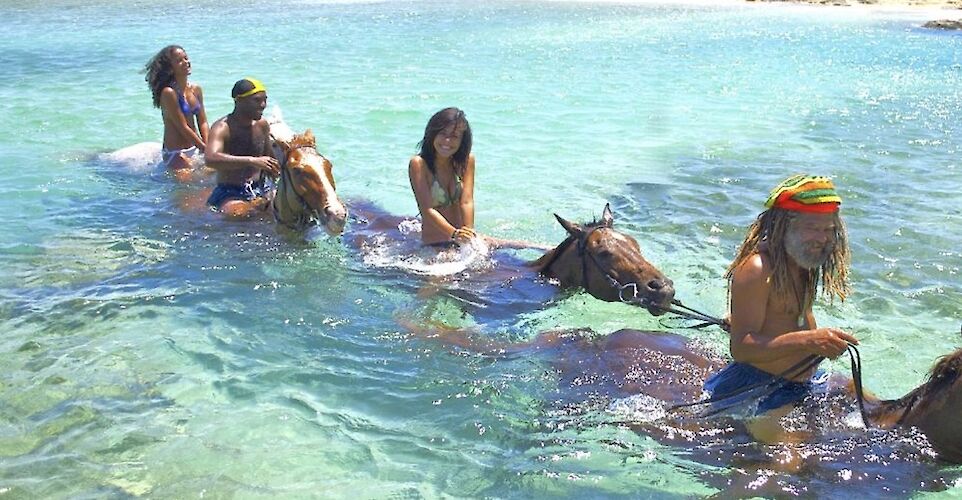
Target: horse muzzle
658,295
334,219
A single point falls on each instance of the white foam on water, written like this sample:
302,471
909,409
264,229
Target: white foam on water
410,256
638,408
280,130
140,157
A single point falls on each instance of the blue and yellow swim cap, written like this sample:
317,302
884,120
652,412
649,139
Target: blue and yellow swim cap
247,87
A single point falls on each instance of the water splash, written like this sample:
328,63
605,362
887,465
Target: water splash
638,408
408,254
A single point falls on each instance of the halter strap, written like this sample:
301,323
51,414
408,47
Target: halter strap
588,256
308,216
582,247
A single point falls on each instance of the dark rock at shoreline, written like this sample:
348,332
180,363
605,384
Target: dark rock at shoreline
944,24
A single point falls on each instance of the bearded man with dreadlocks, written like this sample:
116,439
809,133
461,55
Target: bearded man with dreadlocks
796,245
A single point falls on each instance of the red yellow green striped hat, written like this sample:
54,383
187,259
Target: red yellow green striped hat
805,193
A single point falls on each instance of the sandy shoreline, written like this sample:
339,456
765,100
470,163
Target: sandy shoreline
948,8
885,4
920,9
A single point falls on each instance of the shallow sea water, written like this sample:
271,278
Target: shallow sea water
153,351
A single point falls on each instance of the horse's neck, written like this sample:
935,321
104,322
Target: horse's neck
560,263
541,264
892,412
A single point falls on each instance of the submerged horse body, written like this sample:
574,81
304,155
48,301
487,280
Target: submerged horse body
638,377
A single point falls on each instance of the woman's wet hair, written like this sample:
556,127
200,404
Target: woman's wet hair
440,121
160,72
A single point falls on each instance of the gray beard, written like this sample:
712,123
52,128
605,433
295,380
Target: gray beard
805,260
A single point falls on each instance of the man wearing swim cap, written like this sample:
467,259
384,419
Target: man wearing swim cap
240,150
797,244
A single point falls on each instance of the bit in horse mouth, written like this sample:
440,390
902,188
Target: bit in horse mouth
655,310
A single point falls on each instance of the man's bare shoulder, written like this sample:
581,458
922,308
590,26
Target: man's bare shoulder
756,268
221,123
263,124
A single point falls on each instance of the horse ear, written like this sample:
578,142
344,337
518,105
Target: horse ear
309,136
572,228
606,218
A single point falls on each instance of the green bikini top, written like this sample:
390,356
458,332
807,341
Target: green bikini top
440,196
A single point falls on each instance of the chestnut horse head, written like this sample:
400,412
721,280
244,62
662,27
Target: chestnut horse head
605,262
306,191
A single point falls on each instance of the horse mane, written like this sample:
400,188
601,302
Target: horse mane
944,373
542,263
305,140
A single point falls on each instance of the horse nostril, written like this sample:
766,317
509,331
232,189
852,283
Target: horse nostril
656,284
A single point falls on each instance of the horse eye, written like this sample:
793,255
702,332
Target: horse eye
605,254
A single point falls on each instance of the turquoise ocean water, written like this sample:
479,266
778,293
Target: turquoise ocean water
151,351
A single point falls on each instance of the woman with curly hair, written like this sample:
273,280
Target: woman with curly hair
182,106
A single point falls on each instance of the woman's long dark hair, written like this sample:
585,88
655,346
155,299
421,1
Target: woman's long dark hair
160,72
440,121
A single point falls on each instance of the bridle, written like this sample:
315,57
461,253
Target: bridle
588,257
627,292
307,214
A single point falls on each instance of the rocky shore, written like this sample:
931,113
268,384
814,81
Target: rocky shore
944,24
951,7
945,4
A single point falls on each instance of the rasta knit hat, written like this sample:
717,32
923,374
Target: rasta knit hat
805,193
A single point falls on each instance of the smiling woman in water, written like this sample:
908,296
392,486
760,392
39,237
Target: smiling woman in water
442,177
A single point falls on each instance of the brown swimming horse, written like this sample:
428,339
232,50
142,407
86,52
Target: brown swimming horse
906,446
607,263
306,194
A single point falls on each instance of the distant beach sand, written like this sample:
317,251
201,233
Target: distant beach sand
935,9
930,9
932,4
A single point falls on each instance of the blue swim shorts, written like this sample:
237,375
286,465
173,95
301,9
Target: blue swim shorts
775,393
223,193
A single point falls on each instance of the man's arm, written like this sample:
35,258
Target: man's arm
751,289
220,161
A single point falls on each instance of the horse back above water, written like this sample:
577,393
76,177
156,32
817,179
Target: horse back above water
636,379
672,369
